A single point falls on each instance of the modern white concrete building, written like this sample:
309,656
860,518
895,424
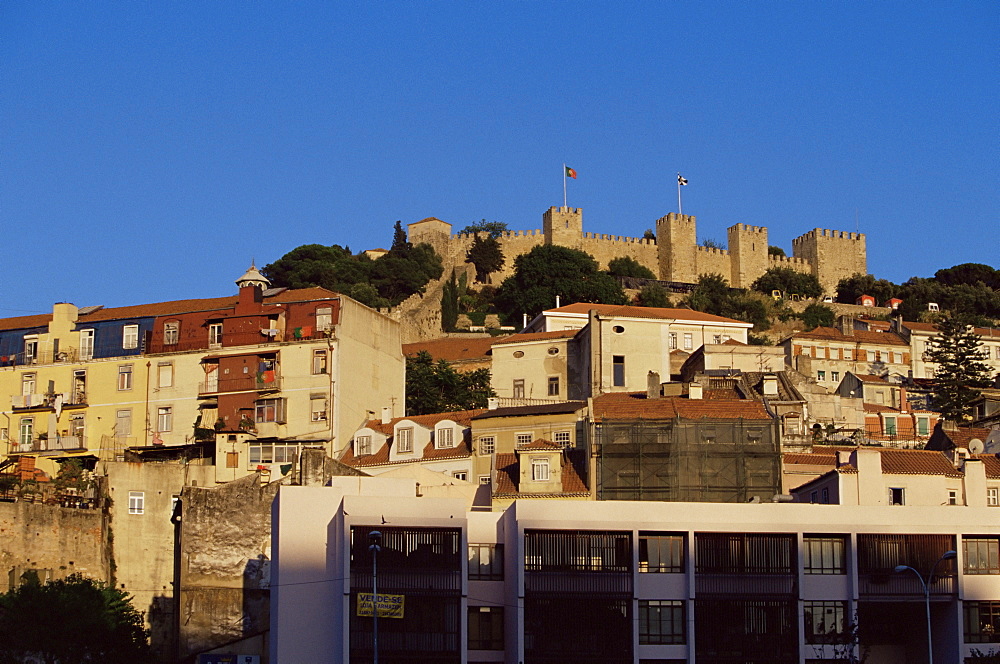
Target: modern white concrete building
564,581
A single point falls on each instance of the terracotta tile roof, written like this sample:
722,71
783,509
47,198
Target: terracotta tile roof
910,462
859,336
628,311
536,336
540,444
453,349
381,455
992,463
720,395
562,408
871,378
946,439
733,342
460,450
462,417
989,332
877,408
807,459
171,308
635,405
508,476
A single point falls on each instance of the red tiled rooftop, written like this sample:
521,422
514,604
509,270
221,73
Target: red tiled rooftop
540,444
508,478
629,311
453,349
536,336
859,336
635,405
461,417
989,332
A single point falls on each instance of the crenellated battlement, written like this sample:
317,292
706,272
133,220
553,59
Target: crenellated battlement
783,261
746,228
712,250
826,233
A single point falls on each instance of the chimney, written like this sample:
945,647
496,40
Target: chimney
694,391
652,385
770,385
557,301
386,415
904,402
847,325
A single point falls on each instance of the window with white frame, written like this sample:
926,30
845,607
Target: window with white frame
28,381
518,388
86,344
871,356
171,332
672,341
31,349
688,341
324,318
835,376
77,425
124,377
564,438
130,337
444,438
553,386
319,361
317,408
540,470
165,374
993,497
404,439
136,502
215,335
522,439
164,418
487,444
460,475
485,479
997,349
363,445
26,431
263,453
269,410
820,375
897,496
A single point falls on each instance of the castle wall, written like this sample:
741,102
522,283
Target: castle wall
791,263
833,255
606,248
677,241
748,254
709,260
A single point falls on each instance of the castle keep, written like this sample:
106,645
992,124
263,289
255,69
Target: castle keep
674,255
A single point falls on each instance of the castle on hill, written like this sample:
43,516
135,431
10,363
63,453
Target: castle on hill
674,255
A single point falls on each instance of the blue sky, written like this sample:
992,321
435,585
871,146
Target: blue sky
148,151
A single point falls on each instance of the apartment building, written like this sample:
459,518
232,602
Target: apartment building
564,581
919,335
827,354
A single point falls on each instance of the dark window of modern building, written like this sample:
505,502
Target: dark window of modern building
824,554
661,622
745,553
485,628
486,562
982,622
981,554
661,552
618,370
825,621
577,551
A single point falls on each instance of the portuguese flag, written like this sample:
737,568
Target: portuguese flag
570,173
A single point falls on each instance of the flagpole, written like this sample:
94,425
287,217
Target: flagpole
564,186
680,210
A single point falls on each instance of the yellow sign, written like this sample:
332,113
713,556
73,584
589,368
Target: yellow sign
389,606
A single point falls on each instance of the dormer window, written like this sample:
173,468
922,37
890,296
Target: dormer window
363,445
324,318
540,470
171,332
404,439
444,438
130,337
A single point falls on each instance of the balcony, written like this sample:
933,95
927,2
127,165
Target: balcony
232,340
889,585
268,381
745,584
46,444
48,401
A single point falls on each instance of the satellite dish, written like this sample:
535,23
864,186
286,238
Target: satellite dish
975,446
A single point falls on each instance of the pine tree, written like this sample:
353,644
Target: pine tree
961,369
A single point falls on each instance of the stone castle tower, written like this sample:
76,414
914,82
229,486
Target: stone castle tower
674,256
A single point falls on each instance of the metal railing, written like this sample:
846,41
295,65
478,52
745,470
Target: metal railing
53,444
257,382
26,401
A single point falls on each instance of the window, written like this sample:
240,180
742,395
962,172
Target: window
136,502
25,431
897,496
554,350
540,470
130,337
444,438
522,439
825,499
952,497
404,439
215,335
317,408
871,356
77,425
997,354
27,385
688,341
672,341
124,377
164,418
923,426
661,552
835,376
319,362
363,445
324,318
270,410
171,332
553,386
824,621
232,459
981,555
165,374
993,497
518,388
824,554
123,423
485,628
518,354
487,444
31,350
263,453
820,375
982,622
618,370
485,479
890,426
460,475
86,344
564,438
661,621
486,561
716,338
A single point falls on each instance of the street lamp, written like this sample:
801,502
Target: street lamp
375,537
947,555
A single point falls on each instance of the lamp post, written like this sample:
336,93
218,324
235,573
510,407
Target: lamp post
375,537
947,555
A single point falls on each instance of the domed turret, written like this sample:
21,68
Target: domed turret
253,277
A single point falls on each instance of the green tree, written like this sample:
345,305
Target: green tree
853,287
399,275
714,296
71,475
775,251
550,270
399,243
653,295
449,304
816,315
309,265
626,266
435,387
711,243
648,234
492,229
969,273
787,280
486,255
960,371
75,620
710,294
